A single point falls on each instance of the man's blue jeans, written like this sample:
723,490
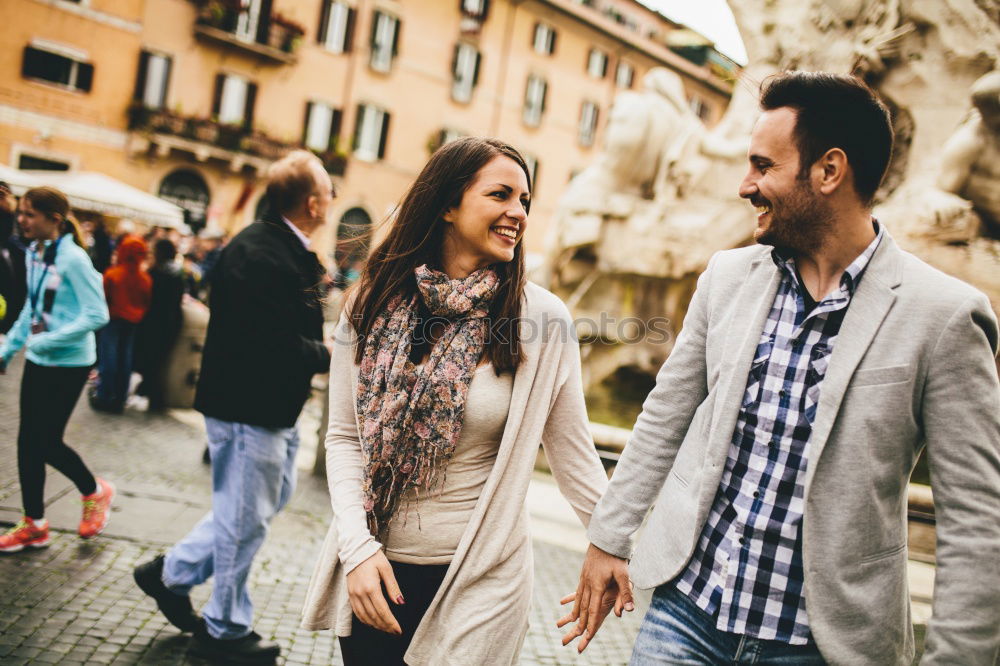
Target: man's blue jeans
115,347
253,476
676,631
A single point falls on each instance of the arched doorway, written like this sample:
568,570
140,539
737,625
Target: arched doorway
187,189
352,244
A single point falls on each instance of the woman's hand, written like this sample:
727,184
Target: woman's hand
364,586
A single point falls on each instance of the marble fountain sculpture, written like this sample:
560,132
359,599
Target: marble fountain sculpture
635,229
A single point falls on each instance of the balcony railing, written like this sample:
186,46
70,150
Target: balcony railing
272,38
236,144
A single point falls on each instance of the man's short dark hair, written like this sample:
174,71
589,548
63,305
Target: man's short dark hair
835,111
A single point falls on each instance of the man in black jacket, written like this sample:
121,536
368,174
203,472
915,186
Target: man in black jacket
264,344
13,283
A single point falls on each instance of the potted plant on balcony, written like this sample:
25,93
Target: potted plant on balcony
220,14
205,130
286,33
231,136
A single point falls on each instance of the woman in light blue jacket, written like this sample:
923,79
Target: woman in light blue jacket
65,305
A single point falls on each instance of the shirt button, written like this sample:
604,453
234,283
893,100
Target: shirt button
782,393
743,541
756,494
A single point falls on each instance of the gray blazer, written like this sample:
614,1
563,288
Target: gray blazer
913,366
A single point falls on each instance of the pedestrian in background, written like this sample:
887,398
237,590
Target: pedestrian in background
98,242
160,327
449,370
264,344
128,289
65,304
13,280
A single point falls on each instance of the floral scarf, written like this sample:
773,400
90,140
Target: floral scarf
410,419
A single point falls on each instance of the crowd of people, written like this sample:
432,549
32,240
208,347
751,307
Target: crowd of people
769,464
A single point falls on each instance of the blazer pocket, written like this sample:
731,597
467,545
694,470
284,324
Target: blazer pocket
681,481
893,374
883,554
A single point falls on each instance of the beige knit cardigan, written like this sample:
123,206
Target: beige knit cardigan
480,613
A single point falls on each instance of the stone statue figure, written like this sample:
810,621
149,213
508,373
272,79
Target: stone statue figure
970,162
637,226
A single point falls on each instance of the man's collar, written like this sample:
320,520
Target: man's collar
298,232
852,274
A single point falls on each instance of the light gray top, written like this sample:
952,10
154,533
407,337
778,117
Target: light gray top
428,531
913,367
480,612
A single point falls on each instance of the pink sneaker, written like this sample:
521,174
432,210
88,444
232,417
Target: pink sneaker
97,509
26,534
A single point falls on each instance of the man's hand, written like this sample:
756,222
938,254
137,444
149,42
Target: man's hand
364,586
604,585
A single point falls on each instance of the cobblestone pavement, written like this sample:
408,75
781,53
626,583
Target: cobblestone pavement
75,602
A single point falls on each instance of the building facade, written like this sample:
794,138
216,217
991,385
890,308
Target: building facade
192,99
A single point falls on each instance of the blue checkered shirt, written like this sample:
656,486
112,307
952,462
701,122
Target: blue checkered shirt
747,567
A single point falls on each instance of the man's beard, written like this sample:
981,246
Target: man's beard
799,224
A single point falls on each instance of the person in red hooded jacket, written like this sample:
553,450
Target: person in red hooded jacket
128,289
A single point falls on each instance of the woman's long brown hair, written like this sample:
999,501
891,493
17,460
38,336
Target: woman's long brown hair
52,203
417,236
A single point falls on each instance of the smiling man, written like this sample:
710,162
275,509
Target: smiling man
777,445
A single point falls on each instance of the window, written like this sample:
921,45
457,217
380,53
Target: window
188,190
40,163
62,66
544,40
700,108
322,127
597,63
624,75
336,27
234,100
465,72
474,8
152,80
384,41
534,100
532,163
371,131
588,123
248,22
447,135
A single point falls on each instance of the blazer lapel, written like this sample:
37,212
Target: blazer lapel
869,306
753,303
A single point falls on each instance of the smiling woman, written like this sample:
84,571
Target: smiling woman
439,401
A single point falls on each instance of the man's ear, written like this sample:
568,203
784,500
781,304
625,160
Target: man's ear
834,168
312,206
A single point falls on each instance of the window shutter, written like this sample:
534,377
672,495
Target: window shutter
248,110
545,90
220,81
358,118
305,125
335,119
324,21
604,65
264,22
84,76
168,70
395,38
140,77
349,31
374,36
27,62
534,35
385,135
485,11
454,61
475,73
552,41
